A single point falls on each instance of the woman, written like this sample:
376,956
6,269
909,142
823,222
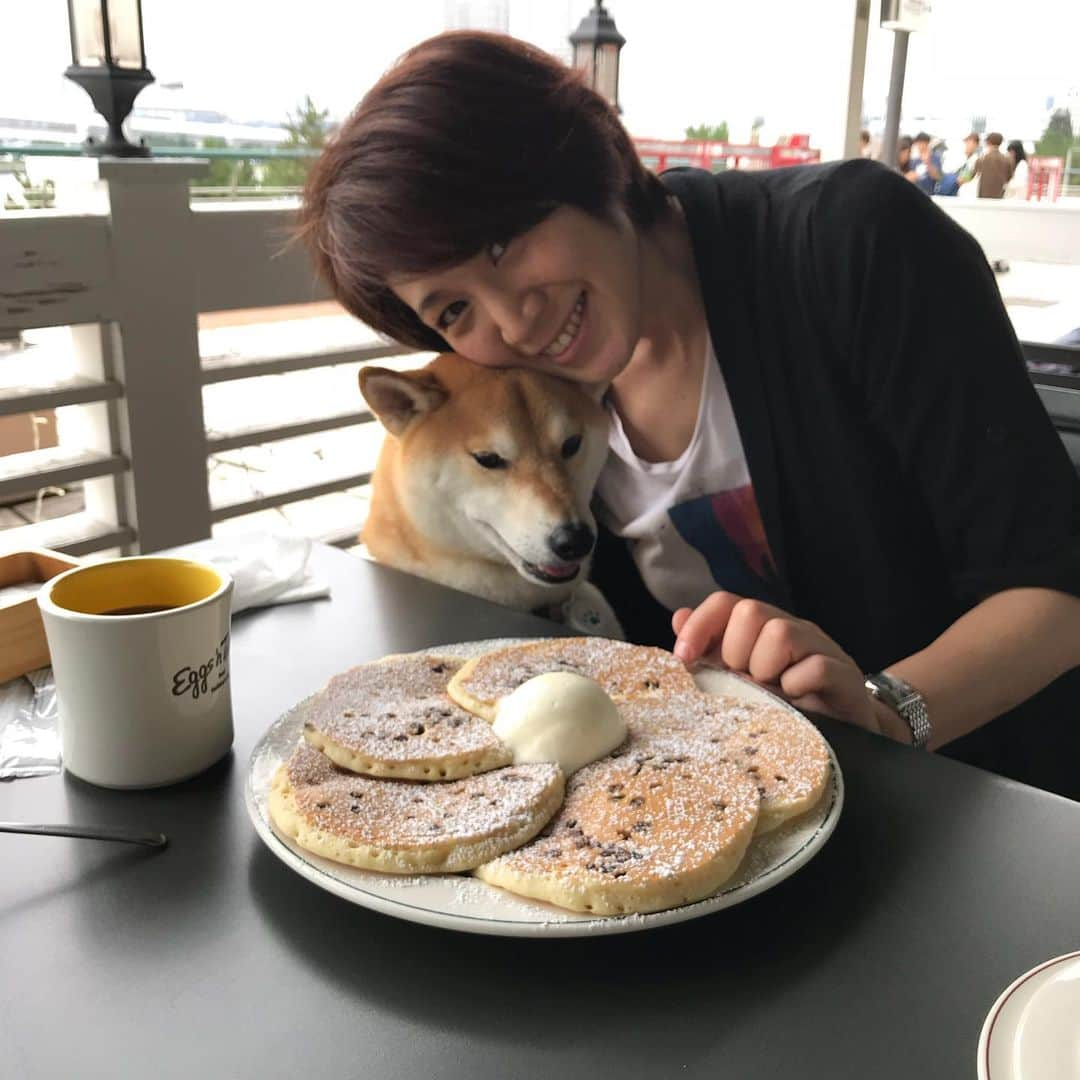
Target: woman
822,463
1017,187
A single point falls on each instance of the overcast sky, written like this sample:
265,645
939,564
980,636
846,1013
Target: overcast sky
685,62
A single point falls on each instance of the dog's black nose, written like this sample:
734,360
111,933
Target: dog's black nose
572,541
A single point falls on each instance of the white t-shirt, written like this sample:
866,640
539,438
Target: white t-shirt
693,523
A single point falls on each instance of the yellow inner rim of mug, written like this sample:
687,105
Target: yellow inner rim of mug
172,583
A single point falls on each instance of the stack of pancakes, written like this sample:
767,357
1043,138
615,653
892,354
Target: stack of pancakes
400,771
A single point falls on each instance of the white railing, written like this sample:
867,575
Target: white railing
130,272
1017,229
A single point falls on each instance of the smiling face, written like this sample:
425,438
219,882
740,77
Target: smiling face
562,298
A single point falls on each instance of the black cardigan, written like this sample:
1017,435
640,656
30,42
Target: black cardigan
901,459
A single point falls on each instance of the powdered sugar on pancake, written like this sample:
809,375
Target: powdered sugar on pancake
783,753
623,670
394,718
402,826
649,827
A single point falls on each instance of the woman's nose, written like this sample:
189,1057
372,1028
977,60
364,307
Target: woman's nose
517,317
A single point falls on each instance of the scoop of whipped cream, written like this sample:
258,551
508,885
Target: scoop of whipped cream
559,717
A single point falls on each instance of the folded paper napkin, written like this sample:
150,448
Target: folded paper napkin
268,568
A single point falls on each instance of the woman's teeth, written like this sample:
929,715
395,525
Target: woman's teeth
569,331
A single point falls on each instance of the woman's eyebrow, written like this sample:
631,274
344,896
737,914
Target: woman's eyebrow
430,300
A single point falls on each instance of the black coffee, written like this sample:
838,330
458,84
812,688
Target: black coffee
141,609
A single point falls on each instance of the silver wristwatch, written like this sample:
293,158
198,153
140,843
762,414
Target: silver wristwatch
904,700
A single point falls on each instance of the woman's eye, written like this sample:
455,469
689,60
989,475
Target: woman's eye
450,314
571,446
488,459
497,250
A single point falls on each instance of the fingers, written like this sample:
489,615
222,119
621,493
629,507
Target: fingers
781,641
832,686
702,630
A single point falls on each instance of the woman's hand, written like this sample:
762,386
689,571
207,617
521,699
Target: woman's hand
777,650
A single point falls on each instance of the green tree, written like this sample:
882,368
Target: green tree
715,133
1058,136
307,130
227,172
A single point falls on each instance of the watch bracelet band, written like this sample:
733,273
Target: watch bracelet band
906,702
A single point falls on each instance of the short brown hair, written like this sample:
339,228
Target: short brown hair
469,139
995,138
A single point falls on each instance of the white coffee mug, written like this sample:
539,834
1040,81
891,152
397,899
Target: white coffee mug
140,655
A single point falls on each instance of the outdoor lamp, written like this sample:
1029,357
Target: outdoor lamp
108,61
596,44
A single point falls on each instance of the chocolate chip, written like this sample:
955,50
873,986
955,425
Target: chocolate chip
400,738
355,808
416,728
321,805
637,801
348,714
438,668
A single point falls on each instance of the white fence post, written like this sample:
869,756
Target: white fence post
155,267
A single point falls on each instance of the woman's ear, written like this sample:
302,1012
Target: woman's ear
397,398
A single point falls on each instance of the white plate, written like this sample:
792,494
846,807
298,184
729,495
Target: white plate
464,903
1033,1030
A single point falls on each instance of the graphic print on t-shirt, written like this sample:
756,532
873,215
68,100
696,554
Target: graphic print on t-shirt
693,524
727,530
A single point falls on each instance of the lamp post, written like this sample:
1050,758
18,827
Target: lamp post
109,62
596,44
903,17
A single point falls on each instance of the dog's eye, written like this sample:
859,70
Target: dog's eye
487,459
571,446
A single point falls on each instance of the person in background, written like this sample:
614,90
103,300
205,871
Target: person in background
864,144
903,153
993,169
924,169
1017,187
965,175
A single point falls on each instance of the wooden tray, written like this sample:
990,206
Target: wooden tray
22,636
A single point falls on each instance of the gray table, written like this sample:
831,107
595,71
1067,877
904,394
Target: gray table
212,959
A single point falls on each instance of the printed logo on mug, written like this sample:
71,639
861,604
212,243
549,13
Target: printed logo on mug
140,655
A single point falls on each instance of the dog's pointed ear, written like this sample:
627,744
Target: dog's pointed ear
399,397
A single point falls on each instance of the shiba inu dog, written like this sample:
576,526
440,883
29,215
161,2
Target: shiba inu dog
483,484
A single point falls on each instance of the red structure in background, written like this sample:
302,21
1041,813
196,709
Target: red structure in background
1045,177
661,154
